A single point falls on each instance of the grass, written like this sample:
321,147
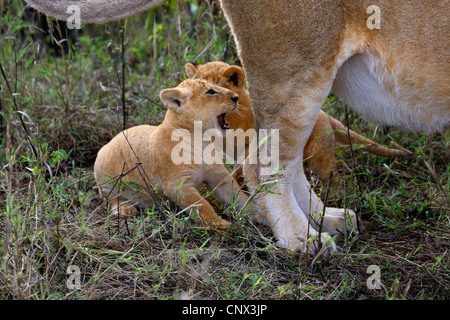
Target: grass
52,217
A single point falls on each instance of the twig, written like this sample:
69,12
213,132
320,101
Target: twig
345,207
2,127
118,204
213,39
227,43
16,109
436,177
151,100
144,176
324,208
124,111
354,162
305,256
57,44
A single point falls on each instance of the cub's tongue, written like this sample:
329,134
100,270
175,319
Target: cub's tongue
223,124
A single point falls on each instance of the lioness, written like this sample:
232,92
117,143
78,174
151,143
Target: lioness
394,71
152,147
319,149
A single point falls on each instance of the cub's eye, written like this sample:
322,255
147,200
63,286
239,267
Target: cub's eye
211,92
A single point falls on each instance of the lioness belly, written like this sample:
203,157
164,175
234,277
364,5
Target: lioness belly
364,83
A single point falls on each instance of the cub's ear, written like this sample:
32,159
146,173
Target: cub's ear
191,70
235,75
173,98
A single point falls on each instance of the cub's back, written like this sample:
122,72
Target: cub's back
118,157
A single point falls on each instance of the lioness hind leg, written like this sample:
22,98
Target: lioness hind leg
322,162
319,150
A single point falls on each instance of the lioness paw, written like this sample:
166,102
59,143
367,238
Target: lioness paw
313,245
339,221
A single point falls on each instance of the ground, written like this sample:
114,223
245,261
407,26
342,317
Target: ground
70,103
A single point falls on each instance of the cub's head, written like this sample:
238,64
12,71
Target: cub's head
220,73
199,100
231,78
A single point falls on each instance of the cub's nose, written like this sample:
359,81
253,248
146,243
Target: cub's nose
235,99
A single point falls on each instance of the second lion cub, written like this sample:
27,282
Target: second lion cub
191,100
319,149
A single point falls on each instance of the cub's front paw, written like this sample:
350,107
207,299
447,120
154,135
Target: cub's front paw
122,208
219,223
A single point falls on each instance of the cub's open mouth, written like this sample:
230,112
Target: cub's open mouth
222,122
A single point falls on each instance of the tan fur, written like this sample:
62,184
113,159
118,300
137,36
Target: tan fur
295,52
232,78
319,149
152,147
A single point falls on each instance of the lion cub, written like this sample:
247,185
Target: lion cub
318,151
151,148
